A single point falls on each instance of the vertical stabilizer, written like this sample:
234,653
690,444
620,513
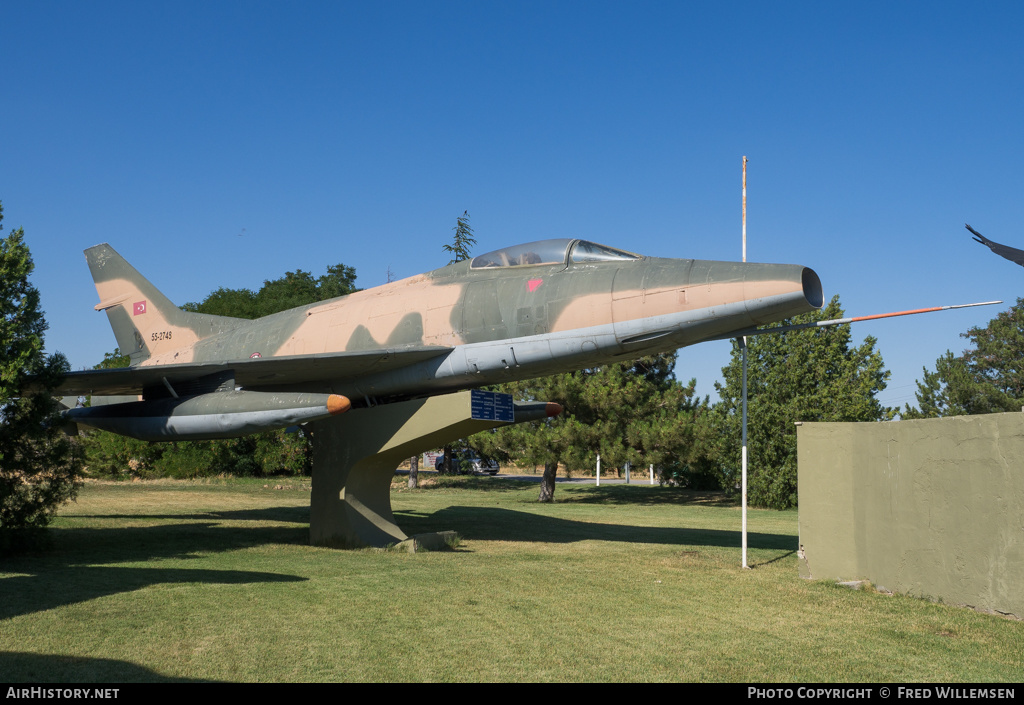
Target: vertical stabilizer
145,322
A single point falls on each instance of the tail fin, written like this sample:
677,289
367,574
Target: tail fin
145,322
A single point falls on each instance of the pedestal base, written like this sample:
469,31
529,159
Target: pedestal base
355,456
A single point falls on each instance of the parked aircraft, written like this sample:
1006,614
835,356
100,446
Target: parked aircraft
515,313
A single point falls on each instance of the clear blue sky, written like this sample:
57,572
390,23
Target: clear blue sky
225,143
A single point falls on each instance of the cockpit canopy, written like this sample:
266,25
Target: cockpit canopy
551,252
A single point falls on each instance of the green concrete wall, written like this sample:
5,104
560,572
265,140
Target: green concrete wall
933,508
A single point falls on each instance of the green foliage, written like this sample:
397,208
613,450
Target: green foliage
634,412
807,375
987,378
240,302
294,289
111,455
268,454
932,394
39,466
463,241
114,456
113,360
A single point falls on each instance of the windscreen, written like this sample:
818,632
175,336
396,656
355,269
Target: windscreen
585,251
532,253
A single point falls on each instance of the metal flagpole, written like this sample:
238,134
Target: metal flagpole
743,347
744,209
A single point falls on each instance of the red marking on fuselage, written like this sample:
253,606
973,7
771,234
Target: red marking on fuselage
533,284
139,308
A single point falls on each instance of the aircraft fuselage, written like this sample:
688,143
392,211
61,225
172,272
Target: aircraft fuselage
520,321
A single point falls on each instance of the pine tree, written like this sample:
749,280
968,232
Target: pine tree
463,241
460,249
632,412
39,466
987,378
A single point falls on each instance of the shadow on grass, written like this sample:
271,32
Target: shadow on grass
642,495
47,589
291,515
496,524
68,573
470,482
636,494
20,667
73,570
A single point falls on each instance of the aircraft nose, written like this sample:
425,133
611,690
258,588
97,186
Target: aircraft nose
776,291
699,299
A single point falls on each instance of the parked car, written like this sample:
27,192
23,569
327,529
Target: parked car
464,462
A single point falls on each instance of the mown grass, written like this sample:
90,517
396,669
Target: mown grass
216,581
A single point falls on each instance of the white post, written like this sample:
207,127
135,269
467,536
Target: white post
627,471
743,343
743,461
652,473
598,469
744,209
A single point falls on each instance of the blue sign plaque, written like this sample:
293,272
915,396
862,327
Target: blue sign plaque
491,406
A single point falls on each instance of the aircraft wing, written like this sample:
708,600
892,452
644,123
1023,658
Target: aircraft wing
1010,253
259,372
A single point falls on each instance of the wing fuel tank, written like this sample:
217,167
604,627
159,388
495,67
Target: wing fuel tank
206,416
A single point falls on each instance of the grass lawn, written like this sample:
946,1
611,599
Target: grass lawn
216,582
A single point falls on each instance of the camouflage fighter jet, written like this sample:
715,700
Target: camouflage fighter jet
515,313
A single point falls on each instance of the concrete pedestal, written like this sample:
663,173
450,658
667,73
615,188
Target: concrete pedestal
355,456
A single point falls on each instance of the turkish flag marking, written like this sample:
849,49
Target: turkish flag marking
139,308
533,284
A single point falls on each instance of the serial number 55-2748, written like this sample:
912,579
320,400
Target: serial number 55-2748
161,335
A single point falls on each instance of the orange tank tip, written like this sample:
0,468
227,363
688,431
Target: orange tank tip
553,409
337,404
